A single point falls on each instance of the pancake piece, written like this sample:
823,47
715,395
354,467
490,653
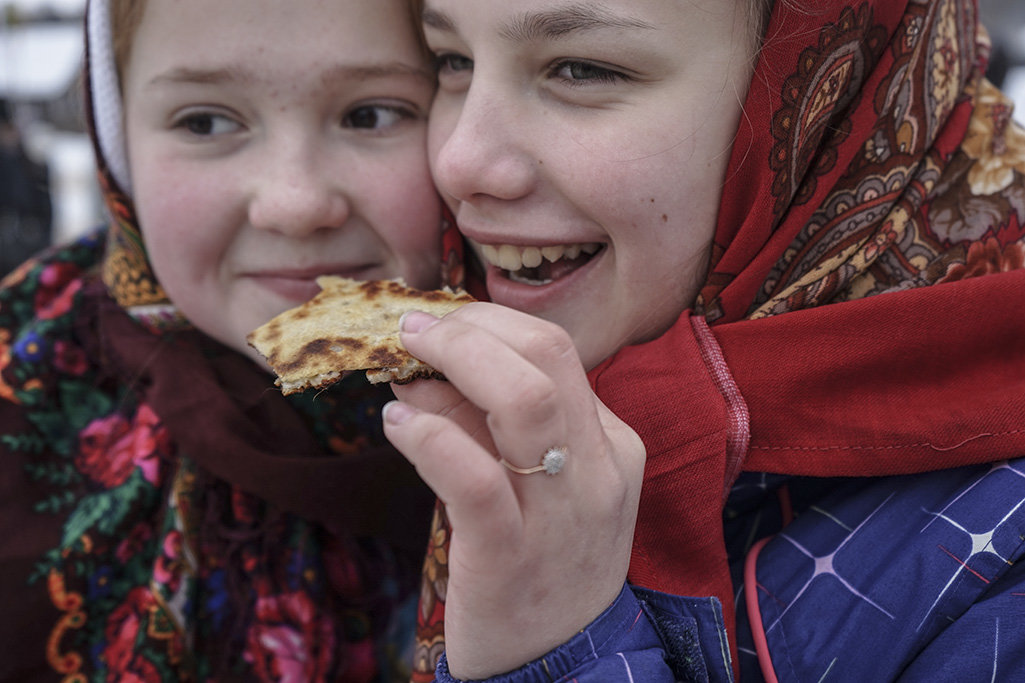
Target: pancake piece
349,325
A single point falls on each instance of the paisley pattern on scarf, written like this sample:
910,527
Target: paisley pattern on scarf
430,631
852,181
825,85
876,185
154,557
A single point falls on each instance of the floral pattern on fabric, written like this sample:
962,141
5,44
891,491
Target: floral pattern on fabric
142,588
126,269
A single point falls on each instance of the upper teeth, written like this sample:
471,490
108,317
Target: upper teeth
513,258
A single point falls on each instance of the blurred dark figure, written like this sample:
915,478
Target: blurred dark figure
25,208
1004,20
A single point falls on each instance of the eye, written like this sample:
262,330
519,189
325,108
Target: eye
582,73
450,62
203,124
376,117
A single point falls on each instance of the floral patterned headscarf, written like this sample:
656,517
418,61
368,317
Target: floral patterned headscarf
179,519
126,269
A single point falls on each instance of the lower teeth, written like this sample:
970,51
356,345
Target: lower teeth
521,276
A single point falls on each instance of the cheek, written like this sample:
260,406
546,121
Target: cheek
440,127
672,200
650,175
627,204
182,225
407,217
661,222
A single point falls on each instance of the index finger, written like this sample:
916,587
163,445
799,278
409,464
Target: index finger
522,371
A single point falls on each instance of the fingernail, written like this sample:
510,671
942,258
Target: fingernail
396,412
416,321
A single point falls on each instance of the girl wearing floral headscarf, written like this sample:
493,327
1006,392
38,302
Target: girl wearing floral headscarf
165,514
788,265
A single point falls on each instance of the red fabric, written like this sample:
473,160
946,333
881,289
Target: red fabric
766,209
871,157
923,380
678,541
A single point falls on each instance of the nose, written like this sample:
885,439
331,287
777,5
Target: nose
479,147
296,192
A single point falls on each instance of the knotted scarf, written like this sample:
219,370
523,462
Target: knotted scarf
167,514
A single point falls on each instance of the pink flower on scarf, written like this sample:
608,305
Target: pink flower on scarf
130,546
987,257
288,641
122,630
57,290
69,358
167,568
6,392
111,448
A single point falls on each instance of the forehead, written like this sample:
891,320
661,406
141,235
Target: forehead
533,19
692,25
543,22
265,26
308,41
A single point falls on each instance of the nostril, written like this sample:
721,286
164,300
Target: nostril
299,209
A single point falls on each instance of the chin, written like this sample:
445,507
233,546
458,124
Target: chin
591,357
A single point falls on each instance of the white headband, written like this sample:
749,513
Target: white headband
108,117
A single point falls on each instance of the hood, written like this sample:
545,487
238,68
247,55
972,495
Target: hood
126,269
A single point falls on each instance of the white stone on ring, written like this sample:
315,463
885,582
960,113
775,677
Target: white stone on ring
552,462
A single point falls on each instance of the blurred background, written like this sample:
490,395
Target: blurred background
47,188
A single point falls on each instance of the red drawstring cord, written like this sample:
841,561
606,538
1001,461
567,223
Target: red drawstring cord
754,612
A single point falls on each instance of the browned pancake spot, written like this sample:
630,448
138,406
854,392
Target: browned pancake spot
371,289
341,343
317,347
385,358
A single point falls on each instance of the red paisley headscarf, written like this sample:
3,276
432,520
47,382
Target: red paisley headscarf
873,159
890,163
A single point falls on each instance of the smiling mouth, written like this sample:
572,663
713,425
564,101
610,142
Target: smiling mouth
537,266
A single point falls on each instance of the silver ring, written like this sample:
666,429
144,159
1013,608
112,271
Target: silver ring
552,462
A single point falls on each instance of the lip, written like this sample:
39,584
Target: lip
535,299
300,284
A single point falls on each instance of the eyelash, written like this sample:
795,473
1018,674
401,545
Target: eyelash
443,63
402,114
210,120
600,74
204,124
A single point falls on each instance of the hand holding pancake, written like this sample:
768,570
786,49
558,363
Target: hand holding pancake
533,558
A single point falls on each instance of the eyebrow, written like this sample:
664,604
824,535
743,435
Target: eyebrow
549,24
362,72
